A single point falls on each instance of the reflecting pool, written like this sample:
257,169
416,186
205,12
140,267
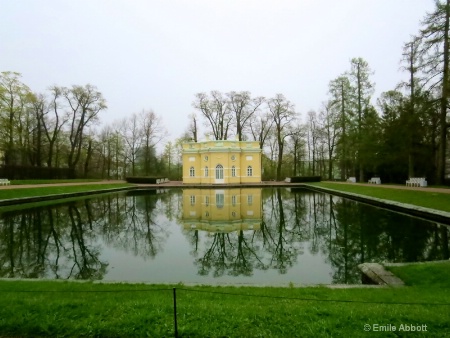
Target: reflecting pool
270,236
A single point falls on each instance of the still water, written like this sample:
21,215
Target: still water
209,236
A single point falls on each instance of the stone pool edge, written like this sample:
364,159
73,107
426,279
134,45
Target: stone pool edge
413,210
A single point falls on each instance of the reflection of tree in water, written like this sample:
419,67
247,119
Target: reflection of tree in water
367,234
52,240
62,241
281,232
144,232
232,253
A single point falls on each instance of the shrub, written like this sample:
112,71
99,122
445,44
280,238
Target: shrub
301,179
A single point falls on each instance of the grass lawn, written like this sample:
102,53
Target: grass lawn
46,308
423,198
80,180
6,194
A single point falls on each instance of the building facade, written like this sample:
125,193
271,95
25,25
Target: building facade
222,210
221,162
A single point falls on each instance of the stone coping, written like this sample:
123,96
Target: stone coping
378,274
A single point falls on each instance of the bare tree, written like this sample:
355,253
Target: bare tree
243,107
13,96
260,127
283,114
84,103
215,110
193,127
329,120
132,136
152,133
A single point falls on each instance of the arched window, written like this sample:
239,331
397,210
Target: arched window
219,172
191,172
233,171
206,172
249,171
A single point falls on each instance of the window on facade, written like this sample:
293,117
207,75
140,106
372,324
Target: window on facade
219,172
250,199
191,172
220,200
192,199
233,214
206,172
233,200
249,171
207,200
233,171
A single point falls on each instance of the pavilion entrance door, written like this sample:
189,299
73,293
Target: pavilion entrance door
219,174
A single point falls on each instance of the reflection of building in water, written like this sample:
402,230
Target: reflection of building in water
221,162
222,210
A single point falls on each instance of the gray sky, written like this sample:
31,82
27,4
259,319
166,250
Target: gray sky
149,54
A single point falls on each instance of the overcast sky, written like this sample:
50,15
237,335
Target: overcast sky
148,54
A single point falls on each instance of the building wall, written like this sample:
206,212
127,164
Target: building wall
227,154
222,210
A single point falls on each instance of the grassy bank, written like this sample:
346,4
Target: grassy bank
422,198
55,190
80,180
127,310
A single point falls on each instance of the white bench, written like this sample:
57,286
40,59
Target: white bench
374,180
351,179
4,181
416,182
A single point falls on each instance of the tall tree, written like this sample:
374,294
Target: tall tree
341,93
53,125
216,111
283,114
85,103
152,133
410,60
192,130
261,127
359,75
329,119
435,64
13,99
243,107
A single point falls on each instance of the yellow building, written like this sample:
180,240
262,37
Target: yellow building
222,210
221,162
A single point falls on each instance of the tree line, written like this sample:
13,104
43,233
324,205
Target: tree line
57,129
405,134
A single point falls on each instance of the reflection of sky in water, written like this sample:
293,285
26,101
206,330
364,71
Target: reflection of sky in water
324,238
175,264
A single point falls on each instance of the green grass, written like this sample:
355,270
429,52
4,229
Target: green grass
423,198
81,180
67,309
6,194
419,274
